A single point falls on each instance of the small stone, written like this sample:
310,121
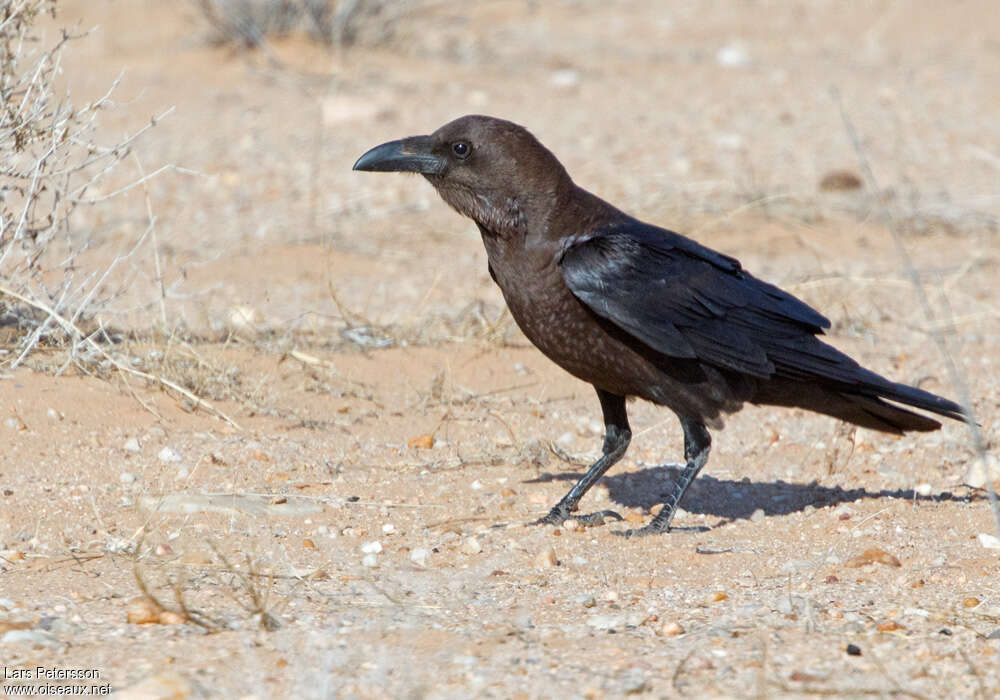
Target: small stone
388,528
872,556
472,546
840,181
889,626
564,78
162,550
732,56
163,686
718,597
308,544
171,617
853,650
585,600
54,414
971,602
634,681
142,611
923,489
988,541
571,525
605,621
611,596
369,560
371,547
168,454
546,558
419,556
131,445
127,477
983,469
421,442
34,637
671,629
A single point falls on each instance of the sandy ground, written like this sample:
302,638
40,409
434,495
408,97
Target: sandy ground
380,432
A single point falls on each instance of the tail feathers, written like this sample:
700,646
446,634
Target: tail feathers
864,405
872,412
918,398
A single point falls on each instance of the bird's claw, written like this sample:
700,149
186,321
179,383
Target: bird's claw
650,529
557,516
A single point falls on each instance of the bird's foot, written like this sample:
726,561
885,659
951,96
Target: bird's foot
558,515
657,526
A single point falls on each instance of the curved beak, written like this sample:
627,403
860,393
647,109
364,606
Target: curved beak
410,155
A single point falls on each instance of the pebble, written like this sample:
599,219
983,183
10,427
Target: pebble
142,611
758,516
982,470
923,489
546,558
36,638
472,546
419,556
571,525
388,528
989,541
127,477
732,56
369,560
162,686
606,621
371,547
131,445
671,629
54,414
168,454
585,600
564,78
634,681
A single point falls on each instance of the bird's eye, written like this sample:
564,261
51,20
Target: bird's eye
462,149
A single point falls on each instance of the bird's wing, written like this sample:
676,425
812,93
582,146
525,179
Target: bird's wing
685,300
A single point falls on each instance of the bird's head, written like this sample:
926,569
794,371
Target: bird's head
491,170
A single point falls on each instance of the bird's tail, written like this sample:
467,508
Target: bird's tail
865,403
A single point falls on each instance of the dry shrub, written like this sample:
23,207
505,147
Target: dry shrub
53,167
335,22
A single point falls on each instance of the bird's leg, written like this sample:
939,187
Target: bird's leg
697,443
617,435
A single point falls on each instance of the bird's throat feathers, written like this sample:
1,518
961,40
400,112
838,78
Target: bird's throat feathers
501,215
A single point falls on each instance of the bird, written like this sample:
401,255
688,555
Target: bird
637,310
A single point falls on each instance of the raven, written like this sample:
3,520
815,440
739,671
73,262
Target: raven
637,310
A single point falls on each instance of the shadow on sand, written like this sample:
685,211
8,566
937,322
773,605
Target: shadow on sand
733,500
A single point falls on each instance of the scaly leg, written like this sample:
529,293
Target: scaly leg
617,435
697,443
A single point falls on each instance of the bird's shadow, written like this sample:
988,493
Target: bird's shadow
735,500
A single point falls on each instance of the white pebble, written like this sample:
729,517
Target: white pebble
732,56
372,547
127,477
369,560
472,546
54,414
476,485
923,489
989,541
131,445
388,528
168,454
419,556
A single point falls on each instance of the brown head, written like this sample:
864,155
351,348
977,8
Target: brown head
491,170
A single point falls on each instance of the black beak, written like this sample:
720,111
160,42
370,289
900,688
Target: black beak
411,155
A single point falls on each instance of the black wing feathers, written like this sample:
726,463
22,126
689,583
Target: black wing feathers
687,301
